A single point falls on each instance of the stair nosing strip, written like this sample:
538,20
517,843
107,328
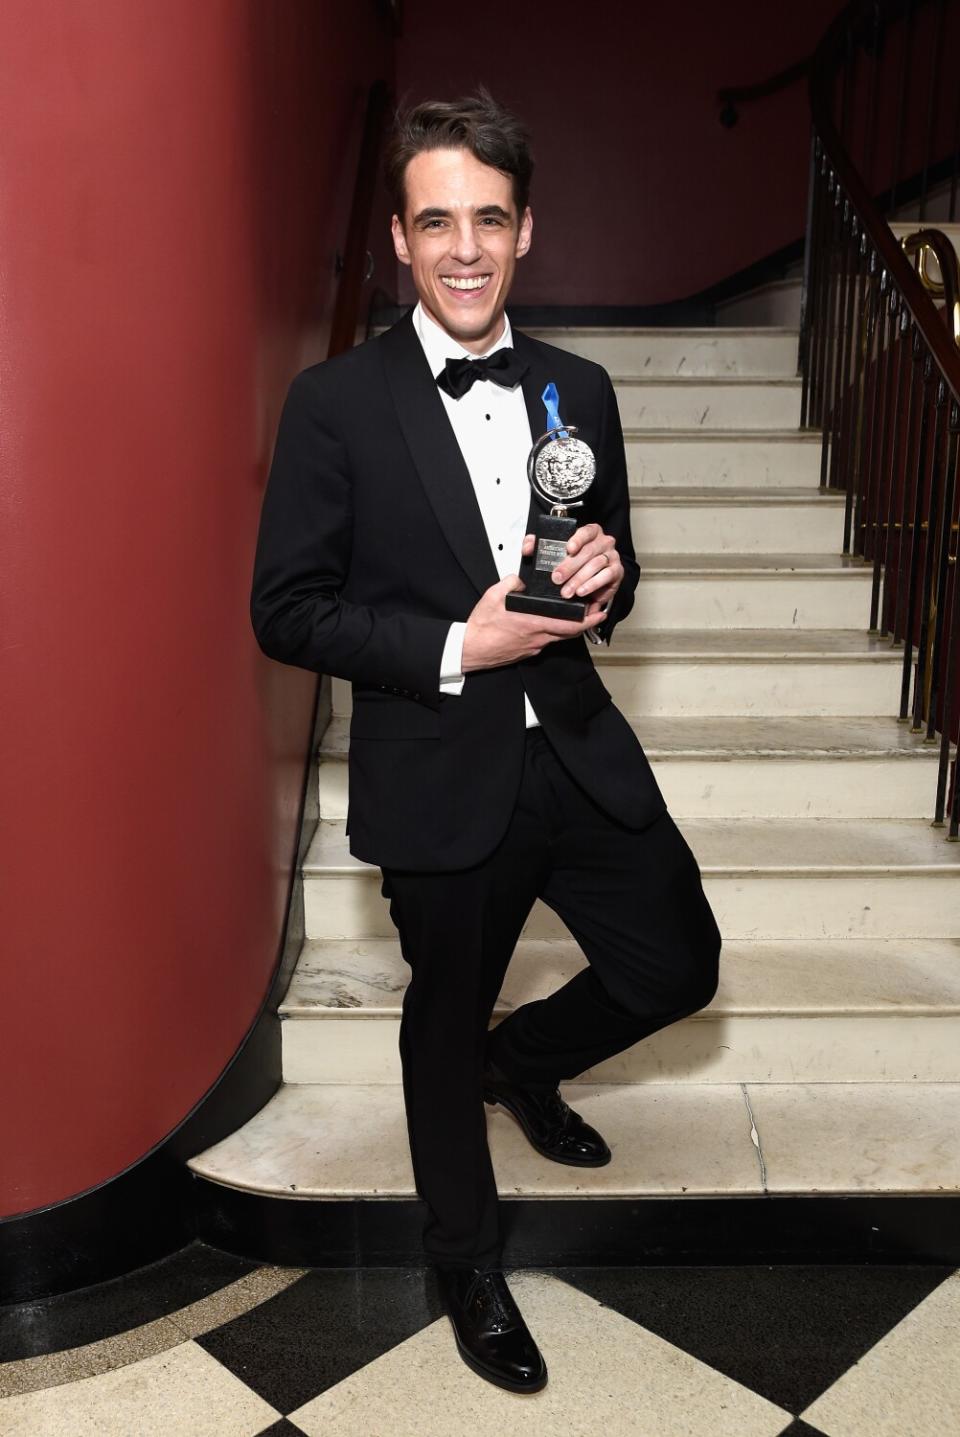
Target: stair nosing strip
713,381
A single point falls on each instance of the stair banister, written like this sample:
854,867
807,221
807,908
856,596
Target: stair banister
880,367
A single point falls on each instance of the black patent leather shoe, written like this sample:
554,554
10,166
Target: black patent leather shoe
492,1337
554,1129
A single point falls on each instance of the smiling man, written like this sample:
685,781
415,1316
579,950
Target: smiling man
488,766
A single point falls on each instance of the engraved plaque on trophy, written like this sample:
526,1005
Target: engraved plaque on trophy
560,468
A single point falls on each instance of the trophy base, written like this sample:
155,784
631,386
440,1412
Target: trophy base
545,607
541,595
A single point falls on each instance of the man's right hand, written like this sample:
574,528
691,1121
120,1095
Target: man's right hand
496,635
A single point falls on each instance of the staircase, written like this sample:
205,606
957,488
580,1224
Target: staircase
829,1060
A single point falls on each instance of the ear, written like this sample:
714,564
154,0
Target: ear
525,233
399,240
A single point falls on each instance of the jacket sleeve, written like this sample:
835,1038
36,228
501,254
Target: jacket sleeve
303,557
611,507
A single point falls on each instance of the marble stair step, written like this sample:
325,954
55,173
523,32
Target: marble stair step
766,879
681,352
703,402
327,1141
728,672
736,458
859,1011
750,591
750,767
747,520
740,672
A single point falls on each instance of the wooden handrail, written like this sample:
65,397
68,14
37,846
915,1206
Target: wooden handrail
933,241
732,95
881,371
826,60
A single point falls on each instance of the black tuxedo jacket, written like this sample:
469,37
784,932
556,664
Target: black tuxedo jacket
371,541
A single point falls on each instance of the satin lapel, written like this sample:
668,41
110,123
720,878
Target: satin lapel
436,453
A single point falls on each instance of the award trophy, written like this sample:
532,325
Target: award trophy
560,469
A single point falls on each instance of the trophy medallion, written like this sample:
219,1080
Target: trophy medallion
560,469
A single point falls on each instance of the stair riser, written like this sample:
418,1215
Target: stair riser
746,1049
707,406
771,356
784,687
754,788
769,686
777,303
737,528
789,600
746,906
722,463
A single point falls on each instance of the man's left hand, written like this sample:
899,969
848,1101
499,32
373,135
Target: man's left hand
592,568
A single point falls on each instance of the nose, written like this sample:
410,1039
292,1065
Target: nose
465,248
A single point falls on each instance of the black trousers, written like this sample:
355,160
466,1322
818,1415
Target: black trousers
634,902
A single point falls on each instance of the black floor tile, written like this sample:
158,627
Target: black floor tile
30,1329
323,1327
797,1428
283,1428
787,1332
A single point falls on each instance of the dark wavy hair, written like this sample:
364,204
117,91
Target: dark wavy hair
476,123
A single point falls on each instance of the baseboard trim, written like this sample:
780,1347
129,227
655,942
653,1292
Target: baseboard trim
552,1232
145,1212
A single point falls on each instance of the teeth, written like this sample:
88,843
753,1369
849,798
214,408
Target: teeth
477,283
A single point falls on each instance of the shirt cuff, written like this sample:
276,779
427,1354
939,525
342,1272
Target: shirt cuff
451,679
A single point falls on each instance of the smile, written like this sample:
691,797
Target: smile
477,282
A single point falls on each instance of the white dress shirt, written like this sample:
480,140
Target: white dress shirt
492,429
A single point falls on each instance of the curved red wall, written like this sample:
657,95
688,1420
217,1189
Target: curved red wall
174,182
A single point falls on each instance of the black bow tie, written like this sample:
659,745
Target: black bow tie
503,367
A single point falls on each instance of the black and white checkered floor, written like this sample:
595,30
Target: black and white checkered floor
203,1344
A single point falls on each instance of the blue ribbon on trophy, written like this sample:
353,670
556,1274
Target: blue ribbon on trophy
551,403
560,469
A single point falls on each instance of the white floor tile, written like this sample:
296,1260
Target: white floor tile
908,1385
623,1382
183,1391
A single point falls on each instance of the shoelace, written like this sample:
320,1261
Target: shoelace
483,1290
557,1113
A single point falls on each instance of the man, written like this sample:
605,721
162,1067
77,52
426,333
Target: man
488,766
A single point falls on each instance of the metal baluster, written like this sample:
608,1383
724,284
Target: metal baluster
949,666
840,342
903,383
824,257
809,280
829,329
856,480
885,342
923,688
907,43
864,468
874,49
939,667
932,96
914,396
911,578
839,455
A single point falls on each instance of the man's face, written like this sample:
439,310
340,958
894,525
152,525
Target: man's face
462,237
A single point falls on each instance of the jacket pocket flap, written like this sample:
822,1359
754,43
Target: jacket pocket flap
388,717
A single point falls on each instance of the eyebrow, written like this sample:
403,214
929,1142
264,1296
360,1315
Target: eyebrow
435,212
